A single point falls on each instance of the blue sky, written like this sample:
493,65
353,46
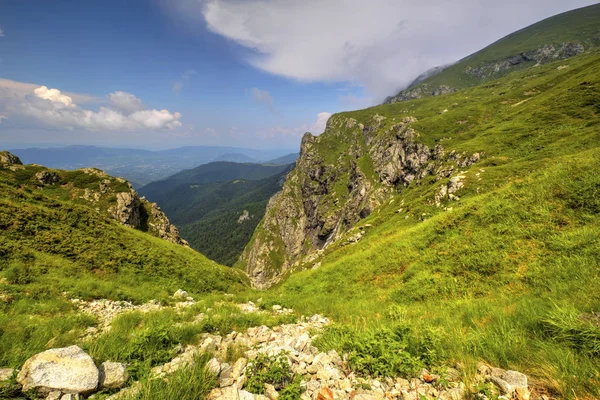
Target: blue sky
255,73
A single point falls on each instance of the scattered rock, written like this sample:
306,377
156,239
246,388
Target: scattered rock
180,294
7,159
68,369
6,374
113,375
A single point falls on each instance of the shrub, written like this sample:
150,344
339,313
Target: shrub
272,370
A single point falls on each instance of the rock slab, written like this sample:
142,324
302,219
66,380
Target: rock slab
68,369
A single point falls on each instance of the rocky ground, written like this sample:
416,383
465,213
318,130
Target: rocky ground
69,373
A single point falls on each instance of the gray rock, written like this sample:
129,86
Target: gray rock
47,178
113,375
271,392
180,294
69,370
8,159
56,395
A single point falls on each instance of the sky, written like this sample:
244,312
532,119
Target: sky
247,73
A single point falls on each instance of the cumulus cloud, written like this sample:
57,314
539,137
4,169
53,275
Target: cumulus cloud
319,126
316,128
185,79
125,102
49,107
380,44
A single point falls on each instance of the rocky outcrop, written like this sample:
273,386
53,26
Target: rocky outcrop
418,92
132,211
542,55
162,227
10,161
127,210
68,370
341,177
47,177
7,159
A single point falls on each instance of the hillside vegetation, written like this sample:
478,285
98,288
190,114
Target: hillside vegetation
217,206
507,271
559,37
55,246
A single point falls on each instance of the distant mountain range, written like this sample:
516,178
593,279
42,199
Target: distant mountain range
139,166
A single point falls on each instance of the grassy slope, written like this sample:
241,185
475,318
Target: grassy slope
52,244
578,25
506,272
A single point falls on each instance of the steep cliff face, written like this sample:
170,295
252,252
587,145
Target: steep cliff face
341,177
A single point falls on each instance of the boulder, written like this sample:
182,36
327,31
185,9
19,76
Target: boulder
68,369
181,294
113,375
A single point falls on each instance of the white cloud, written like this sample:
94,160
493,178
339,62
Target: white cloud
380,44
125,102
185,79
49,107
319,126
53,95
1,32
316,128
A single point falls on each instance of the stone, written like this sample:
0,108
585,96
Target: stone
271,392
213,366
244,395
70,396
238,367
113,375
67,369
6,374
56,395
180,294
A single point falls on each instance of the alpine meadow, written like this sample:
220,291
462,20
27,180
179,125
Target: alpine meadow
444,244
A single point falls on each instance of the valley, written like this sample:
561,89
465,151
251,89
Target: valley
443,245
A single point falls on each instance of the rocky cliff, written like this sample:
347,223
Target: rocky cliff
341,177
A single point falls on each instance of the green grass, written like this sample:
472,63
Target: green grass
509,274
54,247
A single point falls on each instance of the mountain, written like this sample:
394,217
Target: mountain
140,166
556,38
236,157
472,218
285,160
218,205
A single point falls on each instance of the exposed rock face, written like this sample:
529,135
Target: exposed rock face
161,225
7,159
413,93
482,72
543,55
127,210
131,211
68,370
47,178
332,189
